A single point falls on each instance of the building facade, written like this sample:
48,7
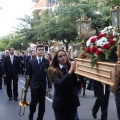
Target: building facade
41,5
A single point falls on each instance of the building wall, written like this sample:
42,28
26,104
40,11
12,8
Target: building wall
41,5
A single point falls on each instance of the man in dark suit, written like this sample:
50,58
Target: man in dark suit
102,93
37,73
11,71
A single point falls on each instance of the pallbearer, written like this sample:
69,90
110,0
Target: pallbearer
65,101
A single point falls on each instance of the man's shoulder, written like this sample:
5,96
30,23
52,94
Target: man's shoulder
32,60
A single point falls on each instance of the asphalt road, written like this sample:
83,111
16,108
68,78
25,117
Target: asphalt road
9,110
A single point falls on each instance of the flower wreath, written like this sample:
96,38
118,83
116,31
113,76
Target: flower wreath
101,47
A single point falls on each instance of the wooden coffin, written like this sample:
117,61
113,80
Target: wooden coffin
102,71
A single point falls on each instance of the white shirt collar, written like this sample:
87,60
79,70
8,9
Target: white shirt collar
39,58
61,66
11,55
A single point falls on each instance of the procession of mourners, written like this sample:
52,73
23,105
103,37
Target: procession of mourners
55,71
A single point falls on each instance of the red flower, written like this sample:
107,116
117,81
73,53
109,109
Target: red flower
93,40
99,52
99,36
111,36
106,46
88,50
94,49
102,35
83,56
112,42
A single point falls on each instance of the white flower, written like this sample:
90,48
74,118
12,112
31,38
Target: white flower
91,45
110,27
102,41
88,43
114,39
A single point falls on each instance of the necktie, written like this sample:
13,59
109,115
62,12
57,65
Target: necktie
40,61
64,70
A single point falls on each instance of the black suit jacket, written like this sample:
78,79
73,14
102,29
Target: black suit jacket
65,96
37,73
8,68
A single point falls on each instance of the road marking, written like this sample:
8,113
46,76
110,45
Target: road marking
22,81
49,99
45,97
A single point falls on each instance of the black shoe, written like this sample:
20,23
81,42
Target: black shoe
30,117
15,98
94,114
85,96
10,98
0,87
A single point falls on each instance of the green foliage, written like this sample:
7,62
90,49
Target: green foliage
60,23
13,40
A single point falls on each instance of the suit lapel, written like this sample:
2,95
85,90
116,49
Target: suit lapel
36,63
9,60
14,59
42,63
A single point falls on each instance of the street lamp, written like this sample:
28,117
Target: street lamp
115,18
84,29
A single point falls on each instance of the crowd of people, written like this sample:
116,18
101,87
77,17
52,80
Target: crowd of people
45,70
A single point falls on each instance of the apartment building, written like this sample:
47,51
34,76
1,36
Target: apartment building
41,5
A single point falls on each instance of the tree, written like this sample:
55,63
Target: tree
60,24
13,40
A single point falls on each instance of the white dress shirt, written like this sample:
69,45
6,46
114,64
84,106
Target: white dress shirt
12,58
39,58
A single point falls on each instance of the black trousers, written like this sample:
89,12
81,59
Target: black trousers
11,92
38,96
84,86
65,114
102,101
5,80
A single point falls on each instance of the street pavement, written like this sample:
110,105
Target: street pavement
9,110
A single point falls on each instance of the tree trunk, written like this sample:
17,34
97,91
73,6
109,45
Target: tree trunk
66,45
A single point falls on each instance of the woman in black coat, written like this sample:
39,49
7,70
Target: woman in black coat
65,101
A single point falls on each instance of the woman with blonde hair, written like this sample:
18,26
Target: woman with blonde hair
65,100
